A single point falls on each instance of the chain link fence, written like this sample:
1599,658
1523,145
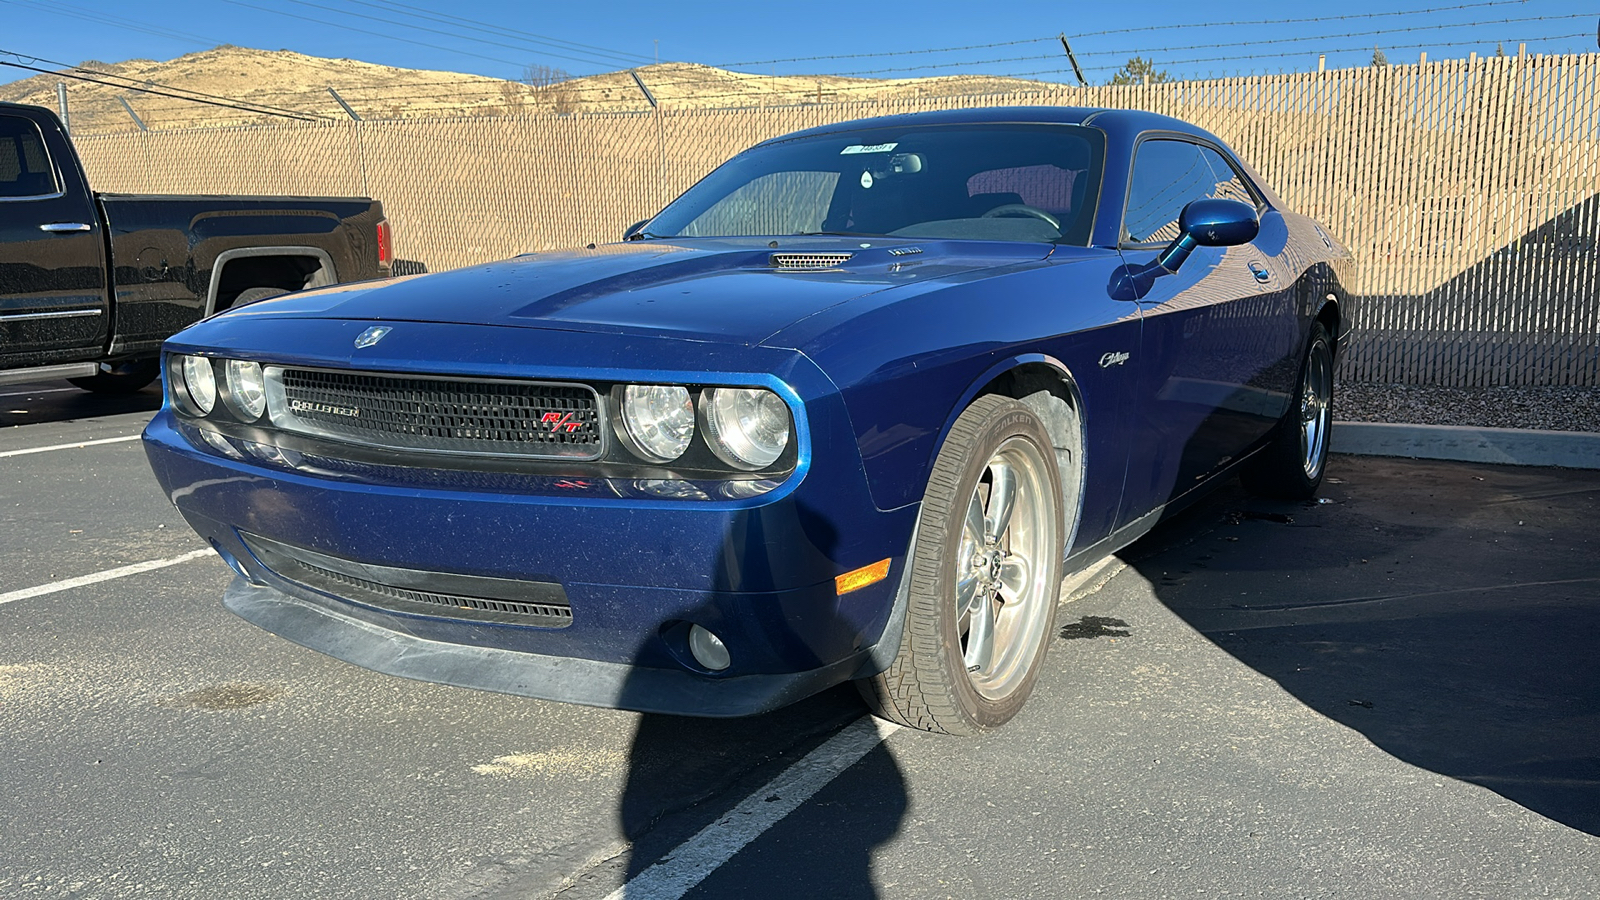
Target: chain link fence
1468,191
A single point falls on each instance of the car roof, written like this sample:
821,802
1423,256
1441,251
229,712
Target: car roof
1129,121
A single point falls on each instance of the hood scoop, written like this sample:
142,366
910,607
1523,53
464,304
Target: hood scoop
793,261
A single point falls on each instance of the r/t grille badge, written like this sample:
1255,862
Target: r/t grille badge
371,336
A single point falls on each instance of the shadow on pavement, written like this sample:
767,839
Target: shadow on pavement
33,404
684,773
1446,611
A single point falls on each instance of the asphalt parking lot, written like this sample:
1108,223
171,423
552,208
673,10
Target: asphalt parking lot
1392,693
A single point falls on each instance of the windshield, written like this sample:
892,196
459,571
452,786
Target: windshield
982,182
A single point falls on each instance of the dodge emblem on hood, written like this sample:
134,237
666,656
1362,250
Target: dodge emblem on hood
371,336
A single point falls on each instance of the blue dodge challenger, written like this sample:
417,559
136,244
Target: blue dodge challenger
847,410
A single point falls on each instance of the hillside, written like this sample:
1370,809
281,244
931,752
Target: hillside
298,84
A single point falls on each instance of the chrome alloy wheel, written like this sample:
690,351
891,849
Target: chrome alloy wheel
1316,396
1003,602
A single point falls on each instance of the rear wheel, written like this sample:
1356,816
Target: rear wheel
985,570
1290,468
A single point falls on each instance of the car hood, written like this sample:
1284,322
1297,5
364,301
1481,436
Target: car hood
701,289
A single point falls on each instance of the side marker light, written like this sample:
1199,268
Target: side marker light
860,578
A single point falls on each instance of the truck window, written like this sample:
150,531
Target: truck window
25,169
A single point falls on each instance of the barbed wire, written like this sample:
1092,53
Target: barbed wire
1090,54
835,92
1142,28
759,87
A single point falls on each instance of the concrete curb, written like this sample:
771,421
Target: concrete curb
1505,446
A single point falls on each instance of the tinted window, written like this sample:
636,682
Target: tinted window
1167,175
780,203
986,182
24,165
1229,183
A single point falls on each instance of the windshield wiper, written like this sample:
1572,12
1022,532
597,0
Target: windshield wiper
641,235
836,234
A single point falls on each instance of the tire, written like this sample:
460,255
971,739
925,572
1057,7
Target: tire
1291,466
943,679
252,295
128,378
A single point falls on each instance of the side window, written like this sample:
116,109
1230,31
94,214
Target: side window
1166,176
1230,185
24,165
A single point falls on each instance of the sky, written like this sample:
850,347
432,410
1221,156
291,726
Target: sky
501,38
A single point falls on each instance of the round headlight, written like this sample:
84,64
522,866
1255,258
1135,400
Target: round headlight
659,420
748,427
247,389
200,382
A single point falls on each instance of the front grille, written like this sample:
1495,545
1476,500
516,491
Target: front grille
448,604
809,260
541,604
451,415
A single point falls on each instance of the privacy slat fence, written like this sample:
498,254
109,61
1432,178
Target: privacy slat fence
1468,191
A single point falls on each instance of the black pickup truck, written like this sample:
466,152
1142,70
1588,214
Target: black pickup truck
91,284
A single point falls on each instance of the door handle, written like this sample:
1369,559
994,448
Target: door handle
64,227
1261,272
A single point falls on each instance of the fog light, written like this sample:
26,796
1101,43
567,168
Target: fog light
708,649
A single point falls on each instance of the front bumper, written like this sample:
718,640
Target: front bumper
317,624
636,571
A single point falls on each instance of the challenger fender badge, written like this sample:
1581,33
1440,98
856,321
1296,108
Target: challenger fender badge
371,336
1113,359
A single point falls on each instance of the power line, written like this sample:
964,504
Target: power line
474,25
769,62
390,37
61,9
265,108
421,28
69,75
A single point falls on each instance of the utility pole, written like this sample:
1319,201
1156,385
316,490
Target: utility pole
131,114
61,99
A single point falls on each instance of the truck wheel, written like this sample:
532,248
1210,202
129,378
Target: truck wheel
1290,468
127,378
985,570
251,295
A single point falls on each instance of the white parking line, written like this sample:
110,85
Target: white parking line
97,577
687,865
35,393
115,440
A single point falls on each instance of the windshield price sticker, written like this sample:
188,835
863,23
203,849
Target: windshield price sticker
868,148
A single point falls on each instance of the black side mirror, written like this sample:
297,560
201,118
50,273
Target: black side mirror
1212,222
631,233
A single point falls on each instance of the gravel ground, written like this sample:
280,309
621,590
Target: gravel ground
1543,408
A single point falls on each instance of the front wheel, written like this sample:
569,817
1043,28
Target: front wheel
1290,468
985,569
